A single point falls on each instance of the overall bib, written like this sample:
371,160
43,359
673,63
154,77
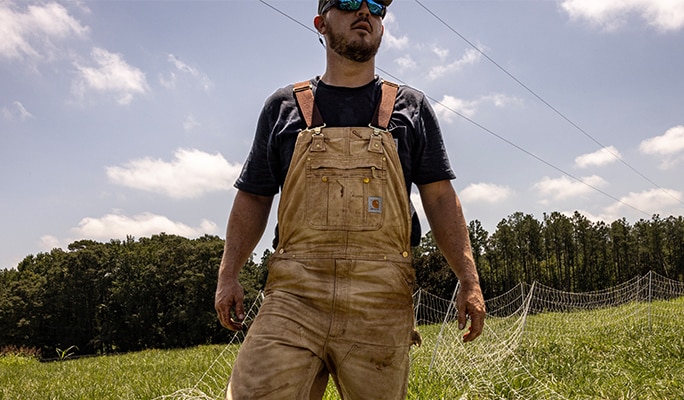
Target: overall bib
338,300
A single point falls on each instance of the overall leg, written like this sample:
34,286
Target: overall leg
374,372
281,357
275,362
369,353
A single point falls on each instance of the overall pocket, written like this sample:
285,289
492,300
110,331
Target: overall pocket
346,194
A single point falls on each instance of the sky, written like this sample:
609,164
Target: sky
131,118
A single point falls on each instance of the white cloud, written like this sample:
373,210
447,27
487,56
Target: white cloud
16,110
485,193
449,106
670,146
663,15
441,53
392,42
406,63
671,142
191,174
21,110
110,75
389,41
500,100
653,201
564,187
32,33
190,123
586,214
117,225
204,80
601,157
169,82
470,57
49,242
426,54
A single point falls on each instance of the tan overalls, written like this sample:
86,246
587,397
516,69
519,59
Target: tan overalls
338,297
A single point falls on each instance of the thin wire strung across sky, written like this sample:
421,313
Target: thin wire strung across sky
507,141
546,103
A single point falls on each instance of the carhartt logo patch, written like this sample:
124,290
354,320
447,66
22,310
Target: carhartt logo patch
375,204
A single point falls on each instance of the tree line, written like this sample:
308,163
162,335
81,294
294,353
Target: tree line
158,292
574,254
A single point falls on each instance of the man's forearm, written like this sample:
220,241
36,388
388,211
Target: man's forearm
246,225
444,212
449,229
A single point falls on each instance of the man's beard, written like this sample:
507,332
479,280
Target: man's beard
354,51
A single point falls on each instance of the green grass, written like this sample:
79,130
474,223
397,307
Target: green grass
142,375
614,353
633,359
605,354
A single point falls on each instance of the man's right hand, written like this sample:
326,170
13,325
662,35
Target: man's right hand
230,298
246,224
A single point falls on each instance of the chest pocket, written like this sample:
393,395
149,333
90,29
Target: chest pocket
346,193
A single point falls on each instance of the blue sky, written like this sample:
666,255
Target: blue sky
134,117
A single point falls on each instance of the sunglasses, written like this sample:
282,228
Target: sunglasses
374,7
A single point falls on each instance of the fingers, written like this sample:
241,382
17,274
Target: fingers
225,316
223,312
462,317
229,302
240,311
236,324
470,305
477,319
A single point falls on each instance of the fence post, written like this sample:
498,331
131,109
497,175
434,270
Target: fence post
526,309
452,305
650,299
416,306
637,303
522,291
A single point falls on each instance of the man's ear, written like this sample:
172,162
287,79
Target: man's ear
319,23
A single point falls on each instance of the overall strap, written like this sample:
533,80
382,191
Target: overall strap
305,99
383,113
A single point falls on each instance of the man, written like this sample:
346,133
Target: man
338,298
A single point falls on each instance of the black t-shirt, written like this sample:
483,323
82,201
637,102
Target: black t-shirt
413,125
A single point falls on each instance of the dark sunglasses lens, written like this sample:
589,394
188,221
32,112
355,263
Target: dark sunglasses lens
349,5
353,5
376,8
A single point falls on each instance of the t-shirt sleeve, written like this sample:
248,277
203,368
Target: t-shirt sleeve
430,158
277,128
256,176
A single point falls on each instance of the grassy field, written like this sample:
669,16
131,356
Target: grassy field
582,355
143,375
